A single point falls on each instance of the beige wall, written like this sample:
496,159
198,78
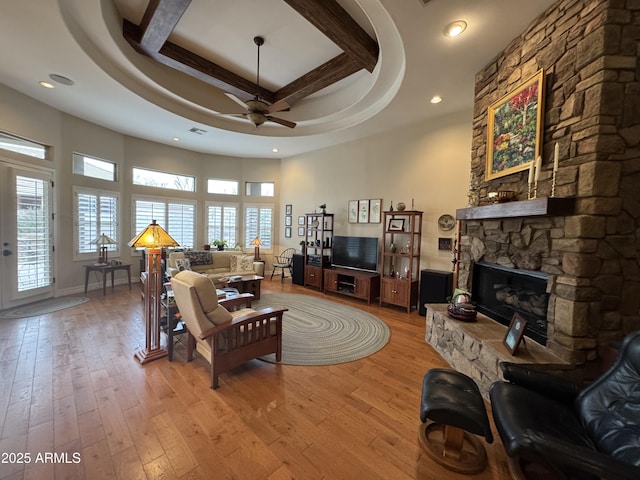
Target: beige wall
428,162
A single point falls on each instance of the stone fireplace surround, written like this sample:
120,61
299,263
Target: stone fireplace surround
589,50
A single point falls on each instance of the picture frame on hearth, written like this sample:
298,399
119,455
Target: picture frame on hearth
514,333
514,128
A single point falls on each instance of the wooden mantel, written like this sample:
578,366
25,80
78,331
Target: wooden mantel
536,207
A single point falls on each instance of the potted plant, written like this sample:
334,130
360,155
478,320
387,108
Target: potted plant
220,244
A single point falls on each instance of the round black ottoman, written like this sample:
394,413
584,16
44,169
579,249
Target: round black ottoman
453,403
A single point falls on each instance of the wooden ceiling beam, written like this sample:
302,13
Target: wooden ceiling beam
159,20
337,25
187,62
327,74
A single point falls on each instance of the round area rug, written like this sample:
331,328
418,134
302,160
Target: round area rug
42,308
319,332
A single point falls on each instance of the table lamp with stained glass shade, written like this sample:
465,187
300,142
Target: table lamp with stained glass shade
103,240
152,239
256,242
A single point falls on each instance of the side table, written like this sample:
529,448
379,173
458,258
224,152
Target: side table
170,309
104,269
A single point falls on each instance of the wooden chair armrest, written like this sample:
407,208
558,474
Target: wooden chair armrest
242,300
245,319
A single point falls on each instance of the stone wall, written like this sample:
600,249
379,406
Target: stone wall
590,52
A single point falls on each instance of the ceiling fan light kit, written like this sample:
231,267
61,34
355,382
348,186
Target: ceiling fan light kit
257,109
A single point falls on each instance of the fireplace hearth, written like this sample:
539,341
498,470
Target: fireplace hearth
499,292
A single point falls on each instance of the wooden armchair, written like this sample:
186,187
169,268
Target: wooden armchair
227,333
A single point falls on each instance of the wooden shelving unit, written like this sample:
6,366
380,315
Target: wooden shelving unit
319,241
401,239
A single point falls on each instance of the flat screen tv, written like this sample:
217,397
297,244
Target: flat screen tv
359,253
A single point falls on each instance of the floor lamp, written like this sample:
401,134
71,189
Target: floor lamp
152,238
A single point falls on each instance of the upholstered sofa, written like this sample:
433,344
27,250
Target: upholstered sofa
215,264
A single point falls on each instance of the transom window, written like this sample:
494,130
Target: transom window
177,217
94,167
260,189
222,187
20,145
154,178
95,213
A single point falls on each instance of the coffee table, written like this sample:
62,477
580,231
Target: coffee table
246,284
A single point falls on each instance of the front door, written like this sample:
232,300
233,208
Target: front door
26,234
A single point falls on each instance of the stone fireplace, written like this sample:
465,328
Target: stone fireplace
586,240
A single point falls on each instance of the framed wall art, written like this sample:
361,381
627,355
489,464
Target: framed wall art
288,208
353,211
363,211
300,220
445,243
287,220
301,231
514,333
287,232
375,210
514,128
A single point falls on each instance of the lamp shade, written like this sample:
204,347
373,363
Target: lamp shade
256,242
154,236
103,239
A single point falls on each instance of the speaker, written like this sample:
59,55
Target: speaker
435,287
298,269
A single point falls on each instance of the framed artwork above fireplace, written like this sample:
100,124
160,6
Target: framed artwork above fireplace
514,128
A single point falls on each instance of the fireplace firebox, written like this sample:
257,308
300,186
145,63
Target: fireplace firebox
499,292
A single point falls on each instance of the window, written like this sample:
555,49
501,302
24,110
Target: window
260,189
153,178
95,212
22,146
259,223
222,222
176,217
94,167
222,187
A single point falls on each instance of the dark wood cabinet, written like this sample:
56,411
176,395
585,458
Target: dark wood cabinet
313,276
352,283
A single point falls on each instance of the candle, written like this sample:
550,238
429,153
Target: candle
538,165
556,154
530,173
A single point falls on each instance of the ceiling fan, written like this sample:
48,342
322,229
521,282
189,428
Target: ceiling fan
259,111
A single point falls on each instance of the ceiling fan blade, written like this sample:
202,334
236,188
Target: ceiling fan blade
236,99
280,106
281,121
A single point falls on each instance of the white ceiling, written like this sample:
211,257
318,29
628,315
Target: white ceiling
127,92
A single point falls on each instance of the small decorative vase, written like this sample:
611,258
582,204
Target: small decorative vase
400,206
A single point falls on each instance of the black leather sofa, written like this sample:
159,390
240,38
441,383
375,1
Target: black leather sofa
579,433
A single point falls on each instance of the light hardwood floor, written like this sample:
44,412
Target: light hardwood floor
69,384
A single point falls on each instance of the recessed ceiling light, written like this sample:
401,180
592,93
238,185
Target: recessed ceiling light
436,99
47,84
61,79
274,150
176,139
455,28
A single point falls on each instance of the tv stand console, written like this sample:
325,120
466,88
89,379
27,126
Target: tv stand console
353,283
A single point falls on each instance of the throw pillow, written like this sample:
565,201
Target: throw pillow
183,264
245,263
199,257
